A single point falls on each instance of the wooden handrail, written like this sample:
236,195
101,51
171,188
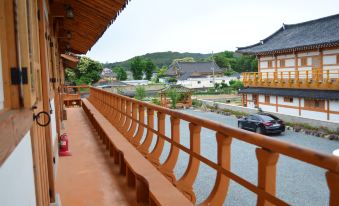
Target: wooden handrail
121,112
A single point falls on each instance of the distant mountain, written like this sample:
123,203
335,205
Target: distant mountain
160,58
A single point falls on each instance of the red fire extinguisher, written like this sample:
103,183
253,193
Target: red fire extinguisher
63,146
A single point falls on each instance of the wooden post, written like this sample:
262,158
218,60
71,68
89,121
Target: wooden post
185,184
333,185
155,154
167,167
219,192
267,161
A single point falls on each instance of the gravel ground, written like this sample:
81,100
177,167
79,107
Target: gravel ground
298,183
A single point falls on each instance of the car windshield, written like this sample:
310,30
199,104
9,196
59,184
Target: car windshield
266,118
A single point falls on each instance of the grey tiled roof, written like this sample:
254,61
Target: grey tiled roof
303,93
307,35
186,69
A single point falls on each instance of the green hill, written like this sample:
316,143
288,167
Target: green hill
160,58
226,59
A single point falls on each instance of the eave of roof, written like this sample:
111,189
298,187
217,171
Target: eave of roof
322,33
303,93
90,21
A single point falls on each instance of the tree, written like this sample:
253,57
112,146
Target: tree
137,67
121,73
140,93
236,84
87,72
174,96
149,67
185,59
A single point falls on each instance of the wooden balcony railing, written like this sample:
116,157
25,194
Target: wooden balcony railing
72,95
128,116
307,79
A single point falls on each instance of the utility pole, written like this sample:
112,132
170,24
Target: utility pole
213,69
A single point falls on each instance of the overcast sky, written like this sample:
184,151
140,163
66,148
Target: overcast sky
203,26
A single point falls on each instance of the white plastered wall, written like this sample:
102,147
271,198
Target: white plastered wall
17,187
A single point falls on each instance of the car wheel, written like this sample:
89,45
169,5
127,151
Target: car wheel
258,130
240,125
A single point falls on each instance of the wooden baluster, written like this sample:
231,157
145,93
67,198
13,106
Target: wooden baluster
118,114
155,154
306,76
333,185
143,148
113,109
289,76
167,167
131,130
220,189
122,114
328,75
127,123
267,165
185,184
136,139
316,76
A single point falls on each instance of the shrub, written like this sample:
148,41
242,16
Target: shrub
174,96
155,101
140,93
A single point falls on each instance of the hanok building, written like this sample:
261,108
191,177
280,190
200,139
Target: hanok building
197,74
114,160
298,71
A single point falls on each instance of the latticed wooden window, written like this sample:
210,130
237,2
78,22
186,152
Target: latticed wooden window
270,63
315,103
282,63
267,99
288,99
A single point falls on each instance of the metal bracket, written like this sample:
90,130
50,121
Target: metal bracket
19,76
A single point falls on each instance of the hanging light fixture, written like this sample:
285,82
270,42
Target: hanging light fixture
69,35
69,12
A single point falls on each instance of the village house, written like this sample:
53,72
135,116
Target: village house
108,138
195,75
298,71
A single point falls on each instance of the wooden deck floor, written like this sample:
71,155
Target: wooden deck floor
89,177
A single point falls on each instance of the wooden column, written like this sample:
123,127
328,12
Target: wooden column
299,107
167,167
219,192
328,109
267,161
185,184
333,185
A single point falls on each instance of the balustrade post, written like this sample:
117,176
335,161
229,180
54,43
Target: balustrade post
122,114
116,117
221,185
333,185
127,123
185,184
267,165
136,139
328,75
167,167
143,148
289,76
307,76
131,130
155,154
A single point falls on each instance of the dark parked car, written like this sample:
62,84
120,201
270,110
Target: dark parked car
262,123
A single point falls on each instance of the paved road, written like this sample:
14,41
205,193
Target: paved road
297,183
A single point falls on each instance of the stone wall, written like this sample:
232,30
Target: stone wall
286,118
